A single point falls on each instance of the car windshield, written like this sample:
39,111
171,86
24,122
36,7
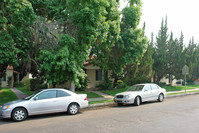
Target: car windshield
29,97
135,88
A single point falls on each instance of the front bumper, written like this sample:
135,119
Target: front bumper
5,113
122,100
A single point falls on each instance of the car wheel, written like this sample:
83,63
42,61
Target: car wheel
137,101
160,97
19,114
73,108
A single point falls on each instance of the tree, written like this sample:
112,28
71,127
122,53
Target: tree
15,21
84,24
160,55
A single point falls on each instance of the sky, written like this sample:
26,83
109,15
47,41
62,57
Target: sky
182,15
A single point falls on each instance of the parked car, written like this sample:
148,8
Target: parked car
140,93
43,102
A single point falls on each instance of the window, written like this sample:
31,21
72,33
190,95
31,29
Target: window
154,87
47,95
61,93
98,75
147,88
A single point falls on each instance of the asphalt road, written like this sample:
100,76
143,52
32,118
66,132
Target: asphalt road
174,115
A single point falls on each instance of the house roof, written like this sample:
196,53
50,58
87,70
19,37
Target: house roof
89,61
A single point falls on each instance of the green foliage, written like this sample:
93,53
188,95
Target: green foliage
16,17
18,84
105,85
36,84
27,84
121,84
83,83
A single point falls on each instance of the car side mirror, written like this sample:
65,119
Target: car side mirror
36,98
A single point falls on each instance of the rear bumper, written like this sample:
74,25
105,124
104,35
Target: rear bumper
84,104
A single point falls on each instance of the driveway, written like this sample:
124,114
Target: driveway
174,115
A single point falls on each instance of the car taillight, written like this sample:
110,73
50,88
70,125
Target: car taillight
85,99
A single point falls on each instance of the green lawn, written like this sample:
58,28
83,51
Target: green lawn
89,94
104,101
24,90
115,91
179,88
7,95
182,92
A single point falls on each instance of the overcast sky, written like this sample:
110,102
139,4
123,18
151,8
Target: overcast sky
182,15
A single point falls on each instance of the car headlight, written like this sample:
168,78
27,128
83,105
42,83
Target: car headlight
6,107
127,96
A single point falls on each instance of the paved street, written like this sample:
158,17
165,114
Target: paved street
174,115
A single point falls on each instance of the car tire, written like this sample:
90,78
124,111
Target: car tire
137,101
19,114
73,108
160,97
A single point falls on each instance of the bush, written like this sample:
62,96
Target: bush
0,85
161,84
18,84
106,85
27,84
137,80
121,84
84,84
36,84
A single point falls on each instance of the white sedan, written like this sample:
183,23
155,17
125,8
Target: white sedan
44,102
140,93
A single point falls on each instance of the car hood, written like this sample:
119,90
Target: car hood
14,102
129,93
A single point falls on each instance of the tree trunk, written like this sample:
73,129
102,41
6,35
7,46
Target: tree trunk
115,81
72,86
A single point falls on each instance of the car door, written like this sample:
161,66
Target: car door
63,100
44,102
147,94
155,91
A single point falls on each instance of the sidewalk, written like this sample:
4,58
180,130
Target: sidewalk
18,93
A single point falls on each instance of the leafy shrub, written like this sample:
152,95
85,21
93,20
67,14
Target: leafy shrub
161,84
0,85
106,85
84,84
27,83
137,80
121,84
18,84
36,84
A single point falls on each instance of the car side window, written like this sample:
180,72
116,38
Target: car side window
147,88
154,87
47,95
61,93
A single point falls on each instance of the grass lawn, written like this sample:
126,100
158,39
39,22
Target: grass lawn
24,90
114,91
7,96
179,88
89,94
182,93
105,101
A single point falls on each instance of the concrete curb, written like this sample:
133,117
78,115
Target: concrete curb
112,103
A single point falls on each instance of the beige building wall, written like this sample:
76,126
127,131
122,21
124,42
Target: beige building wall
9,73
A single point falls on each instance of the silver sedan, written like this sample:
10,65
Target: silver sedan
140,93
44,102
